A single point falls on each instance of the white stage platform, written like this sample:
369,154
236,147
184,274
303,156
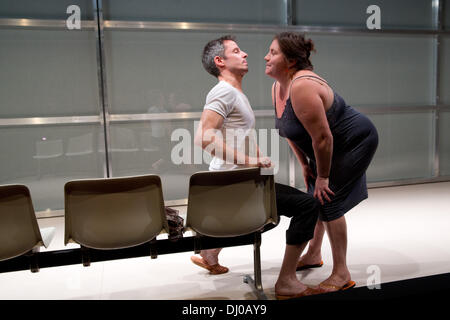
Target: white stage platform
401,231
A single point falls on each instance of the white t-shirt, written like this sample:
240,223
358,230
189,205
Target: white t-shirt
239,121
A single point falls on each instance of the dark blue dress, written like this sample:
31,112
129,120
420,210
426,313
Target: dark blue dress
355,140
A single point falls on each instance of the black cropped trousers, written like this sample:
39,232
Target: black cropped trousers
302,208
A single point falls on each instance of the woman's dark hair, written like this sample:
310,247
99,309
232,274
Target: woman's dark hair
295,47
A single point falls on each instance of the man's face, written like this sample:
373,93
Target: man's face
235,59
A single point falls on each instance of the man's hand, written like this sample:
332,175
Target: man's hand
261,162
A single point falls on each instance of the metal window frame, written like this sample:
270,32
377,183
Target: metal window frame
101,76
105,118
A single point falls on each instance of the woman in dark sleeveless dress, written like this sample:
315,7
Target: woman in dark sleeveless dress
333,142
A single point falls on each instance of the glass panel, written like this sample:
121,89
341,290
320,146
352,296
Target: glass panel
44,158
405,148
48,9
265,125
154,72
48,73
377,70
444,143
445,70
231,11
399,14
146,148
446,15
299,183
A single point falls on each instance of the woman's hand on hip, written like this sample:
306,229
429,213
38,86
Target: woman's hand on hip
322,191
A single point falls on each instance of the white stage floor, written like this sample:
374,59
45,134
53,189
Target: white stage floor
401,231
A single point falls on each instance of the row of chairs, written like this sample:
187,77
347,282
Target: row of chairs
118,213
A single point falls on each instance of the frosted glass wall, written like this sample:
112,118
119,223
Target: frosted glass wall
444,143
398,14
51,105
394,70
231,11
155,71
445,71
48,73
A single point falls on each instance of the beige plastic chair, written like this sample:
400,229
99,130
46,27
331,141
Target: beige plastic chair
19,230
233,203
114,213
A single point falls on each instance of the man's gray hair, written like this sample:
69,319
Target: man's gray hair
212,49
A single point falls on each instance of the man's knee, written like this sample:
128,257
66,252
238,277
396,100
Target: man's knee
312,204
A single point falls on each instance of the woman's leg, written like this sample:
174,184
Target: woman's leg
337,234
314,253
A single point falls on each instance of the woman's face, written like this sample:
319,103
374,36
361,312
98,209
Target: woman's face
276,62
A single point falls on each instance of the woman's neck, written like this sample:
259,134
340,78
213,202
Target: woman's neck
284,82
286,79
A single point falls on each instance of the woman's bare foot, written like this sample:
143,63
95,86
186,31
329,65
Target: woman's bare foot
335,282
309,259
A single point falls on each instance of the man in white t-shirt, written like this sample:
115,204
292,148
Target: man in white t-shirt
228,109
227,114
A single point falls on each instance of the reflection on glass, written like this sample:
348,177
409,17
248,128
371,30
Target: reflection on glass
377,70
445,70
405,149
157,146
48,73
447,16
44,158
44,9
80,145
47,149
444,143
212,11
159,72
399,14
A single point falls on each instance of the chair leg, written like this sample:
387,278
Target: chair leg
197,244
257,283
85,256
153,248
33,259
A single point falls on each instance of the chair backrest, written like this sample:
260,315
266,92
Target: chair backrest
19,230
231,203
113,213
